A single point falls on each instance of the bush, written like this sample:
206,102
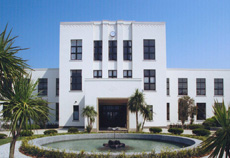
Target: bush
73,130
88,129
155,130
51,131
201,132
195,126
52,125
178,126
210,122
26,133
3,136
176,130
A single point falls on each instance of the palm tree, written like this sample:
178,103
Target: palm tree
146,113
219,142
90,113
134,104
10,64
20,107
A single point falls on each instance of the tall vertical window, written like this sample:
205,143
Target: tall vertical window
127,50
127,73
219,86
112,50
76,112
76,80
98,50
149,80
200,86
151,112
43,86
112,73
57,111
76,49
201,111
97,74
149,49
182,86
57,86
168,111
167,81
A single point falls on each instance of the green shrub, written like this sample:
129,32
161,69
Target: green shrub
26,133
73,130
33,126
51,131
88,129
155,130
3,136
176,130
201,132
195,126
210,122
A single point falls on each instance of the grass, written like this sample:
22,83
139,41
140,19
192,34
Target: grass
8,140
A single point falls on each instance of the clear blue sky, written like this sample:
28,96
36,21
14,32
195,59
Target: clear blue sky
197,31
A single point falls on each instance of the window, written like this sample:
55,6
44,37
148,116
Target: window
112,73
201,111
149,80
57,86
98,50
42,87
97,74
112,50
127,73
149,49
168,111
127,45
76,49
76,112
182,86
76,80
57,111
151,111
219,86
167,81
200,86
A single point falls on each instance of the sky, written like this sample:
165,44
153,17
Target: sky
197,31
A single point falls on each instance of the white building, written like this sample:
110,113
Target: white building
101,65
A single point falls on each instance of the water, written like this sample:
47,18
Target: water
131,145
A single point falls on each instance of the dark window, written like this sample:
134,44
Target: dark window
219,86
149,80
168,85
149,49
151,111
98,50
182,86
57,111
57,86
112,73
76,49
200,86
127,45
168,111
42,86
201,111
75,112
76,80
112,50
127,73
97,74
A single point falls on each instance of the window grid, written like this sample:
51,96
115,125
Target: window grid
57,111
76,80
57,86
168,92
98,50
149,80
182,86
112,73
113,50
201,111
127,46
42,87
218,86
76,49
168,111
200,86
97,74
127,73
149,49
76,112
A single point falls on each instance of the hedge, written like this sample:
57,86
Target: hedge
73,130
155,130
51,131
195,126
201,132
3,136
176,130
26,133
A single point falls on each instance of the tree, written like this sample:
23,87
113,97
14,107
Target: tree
90,113
146,113
10,65
192,113
134,104
185,104
20,107
219,142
